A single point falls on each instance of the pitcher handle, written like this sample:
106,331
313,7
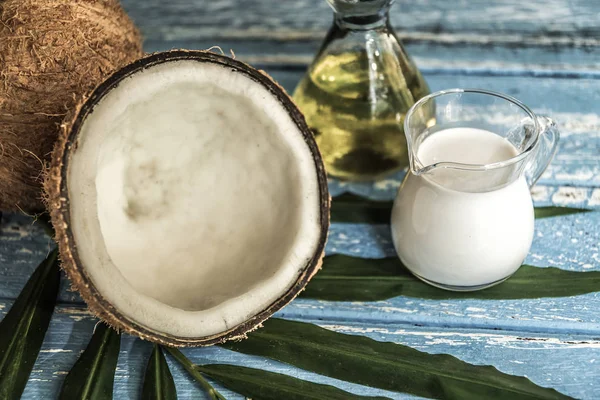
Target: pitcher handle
544,151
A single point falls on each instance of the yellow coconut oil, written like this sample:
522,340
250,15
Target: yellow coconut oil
355,103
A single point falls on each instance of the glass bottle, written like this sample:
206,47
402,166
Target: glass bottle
357,91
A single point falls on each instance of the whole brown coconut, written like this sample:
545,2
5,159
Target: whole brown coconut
52,53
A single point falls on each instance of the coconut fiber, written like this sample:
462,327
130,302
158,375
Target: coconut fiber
52,54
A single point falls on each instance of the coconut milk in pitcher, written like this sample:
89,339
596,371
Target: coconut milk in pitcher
463,218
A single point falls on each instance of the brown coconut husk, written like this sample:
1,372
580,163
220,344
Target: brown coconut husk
58,203
53,53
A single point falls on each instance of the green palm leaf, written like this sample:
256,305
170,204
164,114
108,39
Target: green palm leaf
212,393
158,382
349,207
546,212
346,278
92,376
387,366
262,385
23,329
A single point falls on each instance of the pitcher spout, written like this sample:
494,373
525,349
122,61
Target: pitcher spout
414,164
417,168
422,118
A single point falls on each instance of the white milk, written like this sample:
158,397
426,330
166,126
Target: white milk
450,231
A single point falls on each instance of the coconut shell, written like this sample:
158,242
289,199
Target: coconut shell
54,52
56,186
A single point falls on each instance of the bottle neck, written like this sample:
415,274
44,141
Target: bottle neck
352,21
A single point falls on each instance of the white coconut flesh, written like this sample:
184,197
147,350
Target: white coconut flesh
194,198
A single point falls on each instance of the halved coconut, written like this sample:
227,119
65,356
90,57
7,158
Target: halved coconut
189,199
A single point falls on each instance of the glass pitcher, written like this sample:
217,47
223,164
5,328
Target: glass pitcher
359,84
463,218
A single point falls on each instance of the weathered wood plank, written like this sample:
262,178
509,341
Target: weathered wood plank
431,57
565,361
464,38
569,242
23,245
574,22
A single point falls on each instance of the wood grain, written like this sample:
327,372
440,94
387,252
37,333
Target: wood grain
558,37
565,361
432,57
569,242
564,21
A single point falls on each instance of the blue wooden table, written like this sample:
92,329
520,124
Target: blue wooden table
544,52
